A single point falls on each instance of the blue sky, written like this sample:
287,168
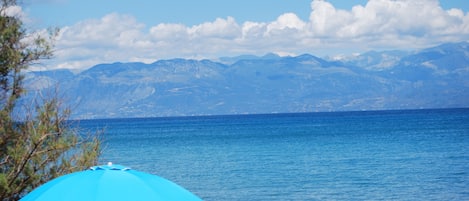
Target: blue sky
109,31
152,12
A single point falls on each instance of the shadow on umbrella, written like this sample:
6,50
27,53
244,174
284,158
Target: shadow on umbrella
110,182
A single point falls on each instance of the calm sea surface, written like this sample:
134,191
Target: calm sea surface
380,155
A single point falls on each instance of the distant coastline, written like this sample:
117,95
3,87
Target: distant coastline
434,77
324,113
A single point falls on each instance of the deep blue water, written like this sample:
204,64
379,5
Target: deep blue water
379,155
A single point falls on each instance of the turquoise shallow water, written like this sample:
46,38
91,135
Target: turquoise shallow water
379,155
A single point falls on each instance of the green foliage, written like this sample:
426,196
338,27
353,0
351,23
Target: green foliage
43,145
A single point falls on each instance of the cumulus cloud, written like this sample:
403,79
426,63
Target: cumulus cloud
112,31
15,11
380,24
220,28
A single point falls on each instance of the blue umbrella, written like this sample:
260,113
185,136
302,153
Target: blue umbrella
110,182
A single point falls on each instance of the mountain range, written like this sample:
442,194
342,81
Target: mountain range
436,77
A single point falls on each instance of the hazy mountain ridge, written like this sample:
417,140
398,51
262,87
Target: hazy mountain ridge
431,78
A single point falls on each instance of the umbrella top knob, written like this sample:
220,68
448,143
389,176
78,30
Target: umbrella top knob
110,166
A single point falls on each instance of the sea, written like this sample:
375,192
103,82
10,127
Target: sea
366,155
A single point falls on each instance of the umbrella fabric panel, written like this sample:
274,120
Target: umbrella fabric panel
59,187
110,184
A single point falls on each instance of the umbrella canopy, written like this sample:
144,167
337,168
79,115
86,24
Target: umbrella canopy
110,182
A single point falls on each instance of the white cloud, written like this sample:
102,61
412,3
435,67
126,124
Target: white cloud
12,11
287,21
108,31
169,32
15,11
384,24
220,28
